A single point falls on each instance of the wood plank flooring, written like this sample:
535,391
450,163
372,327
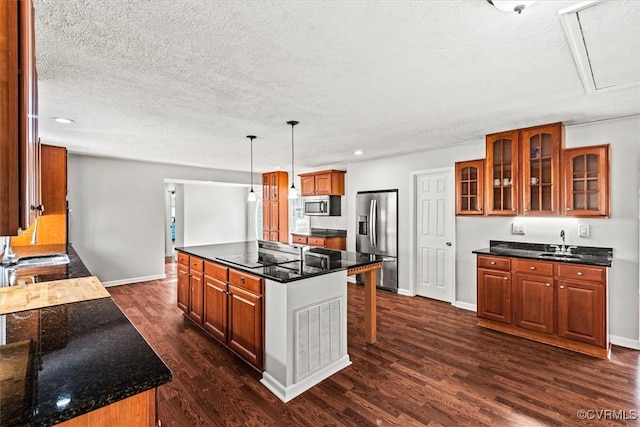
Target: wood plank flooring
431,366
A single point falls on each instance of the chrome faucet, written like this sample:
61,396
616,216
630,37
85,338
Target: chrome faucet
563,249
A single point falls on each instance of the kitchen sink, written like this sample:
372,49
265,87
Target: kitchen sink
560,255
42,260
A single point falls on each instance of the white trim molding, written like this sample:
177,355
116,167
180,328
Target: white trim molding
624,342
134,280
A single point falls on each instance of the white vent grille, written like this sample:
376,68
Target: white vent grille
317,337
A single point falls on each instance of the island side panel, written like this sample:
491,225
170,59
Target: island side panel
282,301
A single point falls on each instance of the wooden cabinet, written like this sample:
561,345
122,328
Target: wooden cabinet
275,207
227,303
494,289
190,286
501,177
582,304
586,181
534,296
322,183
19,145
331,242
523,171
470,187
556,303
541,180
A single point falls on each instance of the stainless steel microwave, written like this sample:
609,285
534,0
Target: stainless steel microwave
322,205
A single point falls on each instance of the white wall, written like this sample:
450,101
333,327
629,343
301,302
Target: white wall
117,217
621,231
214,214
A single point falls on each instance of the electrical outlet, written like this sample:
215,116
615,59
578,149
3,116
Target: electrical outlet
583,230
517,228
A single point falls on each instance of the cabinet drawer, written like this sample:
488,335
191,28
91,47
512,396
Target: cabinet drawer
183,258
216,271
582,272
315,241
494,263
196,264
534,267
299,239
245,281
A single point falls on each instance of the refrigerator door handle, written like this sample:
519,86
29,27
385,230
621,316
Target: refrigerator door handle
374,222
370,218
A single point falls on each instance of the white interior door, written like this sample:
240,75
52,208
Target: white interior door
435,254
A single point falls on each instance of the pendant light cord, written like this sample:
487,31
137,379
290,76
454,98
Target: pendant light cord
292,123
251,138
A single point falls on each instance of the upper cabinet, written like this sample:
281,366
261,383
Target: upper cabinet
586,186
19,145
529,172
469,187
501,178
328,182
541,181
275,206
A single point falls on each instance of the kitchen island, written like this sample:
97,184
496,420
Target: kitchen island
282,305
77,363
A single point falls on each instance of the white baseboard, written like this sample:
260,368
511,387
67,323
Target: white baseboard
134,280
351,279
625,342
406,292
465,305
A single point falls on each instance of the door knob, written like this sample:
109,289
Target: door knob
448,243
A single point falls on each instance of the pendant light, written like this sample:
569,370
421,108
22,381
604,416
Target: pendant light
252,195
293,192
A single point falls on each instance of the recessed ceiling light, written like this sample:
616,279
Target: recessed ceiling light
358,152
63,120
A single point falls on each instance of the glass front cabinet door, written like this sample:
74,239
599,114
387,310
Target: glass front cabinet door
502,173
540,184
469,187
586,181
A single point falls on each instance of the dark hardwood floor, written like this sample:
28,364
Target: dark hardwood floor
431,366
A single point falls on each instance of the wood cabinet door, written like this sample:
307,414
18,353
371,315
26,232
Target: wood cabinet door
535,303
266,182
307,185
494,295
470,187
274,208
541,181
586,181
275,190
246,325
196,296
215,307
581,312
501,173
183,287
323,183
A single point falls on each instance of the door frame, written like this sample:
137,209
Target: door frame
414,228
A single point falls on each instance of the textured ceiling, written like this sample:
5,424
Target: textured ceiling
184,81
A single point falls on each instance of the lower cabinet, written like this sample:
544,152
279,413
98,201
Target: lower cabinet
227,303
332,242
556,303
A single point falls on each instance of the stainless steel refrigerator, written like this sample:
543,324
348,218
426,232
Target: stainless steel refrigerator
377,233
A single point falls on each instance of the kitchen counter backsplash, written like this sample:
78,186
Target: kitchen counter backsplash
590,255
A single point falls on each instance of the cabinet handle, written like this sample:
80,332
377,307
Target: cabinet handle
561,287
568,209
547,284
533,268
242,280
526,209
493,263
506,278
38,208
579,273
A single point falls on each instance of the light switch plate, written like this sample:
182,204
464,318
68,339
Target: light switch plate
583,230
517,228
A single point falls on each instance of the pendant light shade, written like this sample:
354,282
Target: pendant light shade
252,194
293,192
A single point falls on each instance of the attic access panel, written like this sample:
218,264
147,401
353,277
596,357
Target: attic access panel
605,42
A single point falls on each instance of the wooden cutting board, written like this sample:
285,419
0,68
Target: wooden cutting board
45,294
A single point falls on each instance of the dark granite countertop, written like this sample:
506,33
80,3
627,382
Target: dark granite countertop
585,255
285,272
70,359
321,232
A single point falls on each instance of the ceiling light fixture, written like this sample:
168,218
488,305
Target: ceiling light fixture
358,152
252,194
293,193
63,120
510,6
